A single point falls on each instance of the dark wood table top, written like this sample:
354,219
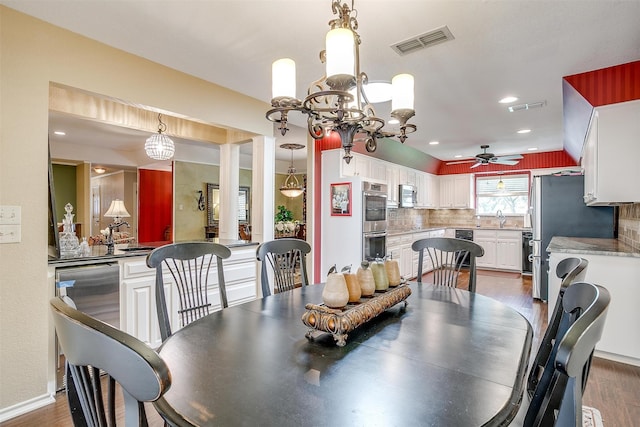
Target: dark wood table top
451,358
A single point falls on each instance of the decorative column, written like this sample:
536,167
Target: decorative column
262,193
229,188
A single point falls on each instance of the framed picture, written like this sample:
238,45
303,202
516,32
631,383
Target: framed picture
341,199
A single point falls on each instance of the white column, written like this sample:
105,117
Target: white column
262,197
262,186
229,188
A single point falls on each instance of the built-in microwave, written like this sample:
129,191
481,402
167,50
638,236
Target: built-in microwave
407,196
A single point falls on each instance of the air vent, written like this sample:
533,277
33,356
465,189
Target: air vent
528,106
433,37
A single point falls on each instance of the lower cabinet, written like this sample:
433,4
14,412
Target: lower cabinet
138,303
399,248
502,249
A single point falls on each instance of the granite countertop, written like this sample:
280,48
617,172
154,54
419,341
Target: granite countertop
99,252
420,230
417,230
593,246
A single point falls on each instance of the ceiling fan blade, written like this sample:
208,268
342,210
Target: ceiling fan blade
477,164
508,162
511,157
459,162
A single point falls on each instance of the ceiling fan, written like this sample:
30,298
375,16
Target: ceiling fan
485,158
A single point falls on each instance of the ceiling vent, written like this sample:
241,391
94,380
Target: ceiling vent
433,37
528,106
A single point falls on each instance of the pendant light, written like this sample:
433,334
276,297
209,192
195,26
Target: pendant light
500,185
159,146
291,186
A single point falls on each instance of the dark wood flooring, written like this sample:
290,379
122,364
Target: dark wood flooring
614,388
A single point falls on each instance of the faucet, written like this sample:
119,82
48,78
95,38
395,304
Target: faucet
501,217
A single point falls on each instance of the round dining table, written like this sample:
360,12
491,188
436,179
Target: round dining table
449,358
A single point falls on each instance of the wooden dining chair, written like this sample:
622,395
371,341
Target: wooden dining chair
287,260
447,256
190,265
91,346
558,400
569,270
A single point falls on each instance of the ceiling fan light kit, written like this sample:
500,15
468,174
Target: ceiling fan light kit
338,101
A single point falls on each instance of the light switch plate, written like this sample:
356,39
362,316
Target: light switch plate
10,214
10,233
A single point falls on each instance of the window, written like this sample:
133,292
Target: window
511,197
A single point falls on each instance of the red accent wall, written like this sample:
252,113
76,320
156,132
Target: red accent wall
155,205
611,85
549,159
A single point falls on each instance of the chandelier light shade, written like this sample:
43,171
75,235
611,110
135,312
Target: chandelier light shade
291,186
284,78
337,101
159,146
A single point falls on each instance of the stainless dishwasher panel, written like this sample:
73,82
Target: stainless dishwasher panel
96,290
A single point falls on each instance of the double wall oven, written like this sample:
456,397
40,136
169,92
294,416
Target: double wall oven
374,220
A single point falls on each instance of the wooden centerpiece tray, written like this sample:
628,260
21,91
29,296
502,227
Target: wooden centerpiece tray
340,321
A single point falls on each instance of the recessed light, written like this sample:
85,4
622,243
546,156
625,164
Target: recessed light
59,132
524,131
457,156
434,143
508,99
393,121
532,149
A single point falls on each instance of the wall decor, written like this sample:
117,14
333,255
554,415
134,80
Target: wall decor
341,199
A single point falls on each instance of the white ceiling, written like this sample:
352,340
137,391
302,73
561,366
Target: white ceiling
521,48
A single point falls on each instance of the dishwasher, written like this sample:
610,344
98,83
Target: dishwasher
95,290
465,235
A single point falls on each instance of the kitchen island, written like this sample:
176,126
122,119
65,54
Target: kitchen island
616,266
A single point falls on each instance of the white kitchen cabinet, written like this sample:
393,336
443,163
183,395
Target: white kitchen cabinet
618,275
610,155
137,285
509,250
421,190
377,170
392,184
432,196
502,249
407,176
455,191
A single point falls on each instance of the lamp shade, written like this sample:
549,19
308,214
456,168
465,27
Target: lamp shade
117,210
283,78
340,47
402,88
159,147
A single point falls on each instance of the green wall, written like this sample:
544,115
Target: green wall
64,181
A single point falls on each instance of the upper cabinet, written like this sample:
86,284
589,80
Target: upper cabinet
455,191
610,155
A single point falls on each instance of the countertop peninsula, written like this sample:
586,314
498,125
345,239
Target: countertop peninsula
593,246
99,252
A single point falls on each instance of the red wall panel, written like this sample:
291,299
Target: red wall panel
155,205
549,159
610,85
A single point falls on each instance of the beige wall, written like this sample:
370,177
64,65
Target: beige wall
189,178
33,54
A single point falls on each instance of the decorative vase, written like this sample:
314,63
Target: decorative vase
335,293
353,287
365,279
393,272
380,275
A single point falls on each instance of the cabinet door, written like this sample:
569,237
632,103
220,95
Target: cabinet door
590,160
508,254
462,191
378,170
488,260
432,193
421,188
392,184
406,265
141,318
447,190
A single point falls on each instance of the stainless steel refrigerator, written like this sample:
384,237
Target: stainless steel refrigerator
558,209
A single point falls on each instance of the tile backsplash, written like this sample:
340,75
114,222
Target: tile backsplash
404,219
629,225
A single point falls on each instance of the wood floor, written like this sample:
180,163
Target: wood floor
613,388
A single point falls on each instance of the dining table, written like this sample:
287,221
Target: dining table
448,357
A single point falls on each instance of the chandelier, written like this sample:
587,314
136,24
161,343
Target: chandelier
337,102
159,146
291,186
